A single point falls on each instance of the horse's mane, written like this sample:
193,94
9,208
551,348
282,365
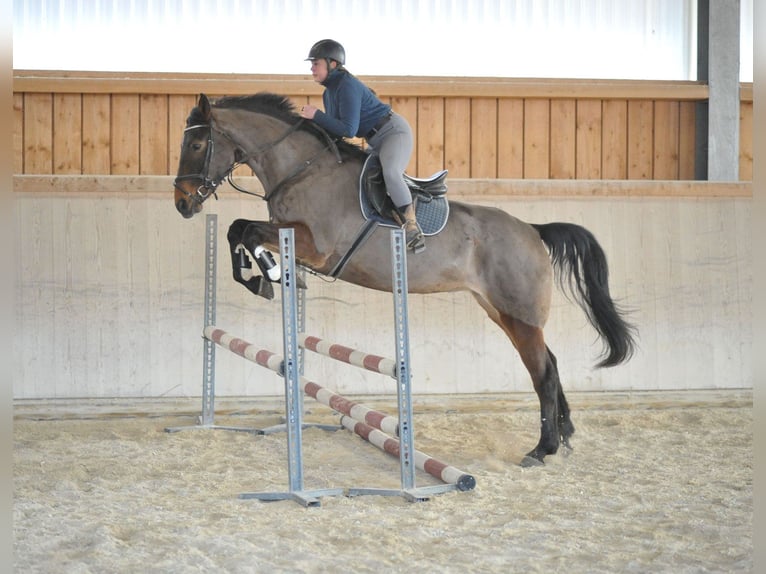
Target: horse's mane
281,108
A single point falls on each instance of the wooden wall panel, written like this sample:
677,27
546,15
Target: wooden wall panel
430,130
153,134
666,140
640,139
473,128
67,137
457,136
563,132
484,137
588,139
97,134
18,133
746,141
537,121
125,121
614,162
38,133
510,138
687,139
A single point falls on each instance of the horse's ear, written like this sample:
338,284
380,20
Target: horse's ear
204,106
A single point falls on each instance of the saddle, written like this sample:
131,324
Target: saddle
428,197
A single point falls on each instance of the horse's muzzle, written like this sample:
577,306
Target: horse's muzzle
185,202
187,209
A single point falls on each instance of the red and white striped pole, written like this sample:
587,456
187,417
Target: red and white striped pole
444,472
272,361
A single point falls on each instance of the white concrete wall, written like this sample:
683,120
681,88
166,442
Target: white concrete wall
109,303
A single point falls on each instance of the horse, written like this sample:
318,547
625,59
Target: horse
311,183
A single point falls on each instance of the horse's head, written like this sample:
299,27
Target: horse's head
204,163
257,130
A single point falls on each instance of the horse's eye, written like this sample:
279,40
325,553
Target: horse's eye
196,146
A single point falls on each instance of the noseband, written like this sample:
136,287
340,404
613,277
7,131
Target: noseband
210,185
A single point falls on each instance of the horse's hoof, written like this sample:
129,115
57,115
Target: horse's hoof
530,461
259,286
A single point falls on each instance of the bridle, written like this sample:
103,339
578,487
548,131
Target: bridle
209,185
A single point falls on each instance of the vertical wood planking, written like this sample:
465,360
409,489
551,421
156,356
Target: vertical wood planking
537,122
38,133
408,108
484,137
153,130
510,138
18,133
125,122
746,141
67,135
457,137
127,134
430,130
687,114
640,139
588,140
666,140
96,134
614,163
563,138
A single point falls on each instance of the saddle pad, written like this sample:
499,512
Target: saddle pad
431,213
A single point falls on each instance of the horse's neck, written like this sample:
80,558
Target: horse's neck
299,163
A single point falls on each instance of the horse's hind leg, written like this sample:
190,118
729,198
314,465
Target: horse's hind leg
555,423
566,428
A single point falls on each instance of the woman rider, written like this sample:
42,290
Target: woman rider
351,109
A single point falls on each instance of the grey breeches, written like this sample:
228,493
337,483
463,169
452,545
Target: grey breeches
393,143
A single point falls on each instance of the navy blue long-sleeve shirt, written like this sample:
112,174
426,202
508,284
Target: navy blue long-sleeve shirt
350,107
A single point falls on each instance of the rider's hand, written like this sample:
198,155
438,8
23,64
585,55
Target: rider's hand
308,111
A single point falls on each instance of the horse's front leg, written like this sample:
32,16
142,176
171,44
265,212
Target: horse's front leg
242,265
258,239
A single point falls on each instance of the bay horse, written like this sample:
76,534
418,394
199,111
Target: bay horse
311,183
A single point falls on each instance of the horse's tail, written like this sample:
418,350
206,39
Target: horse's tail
582,271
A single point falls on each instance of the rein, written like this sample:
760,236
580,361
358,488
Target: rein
331,145
209,185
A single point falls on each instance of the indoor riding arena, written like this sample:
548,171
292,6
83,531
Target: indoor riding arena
168,420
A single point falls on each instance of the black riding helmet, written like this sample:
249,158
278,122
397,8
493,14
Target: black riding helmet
328,50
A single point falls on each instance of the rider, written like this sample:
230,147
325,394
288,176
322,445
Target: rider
352,109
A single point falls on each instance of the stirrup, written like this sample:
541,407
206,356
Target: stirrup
415,239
